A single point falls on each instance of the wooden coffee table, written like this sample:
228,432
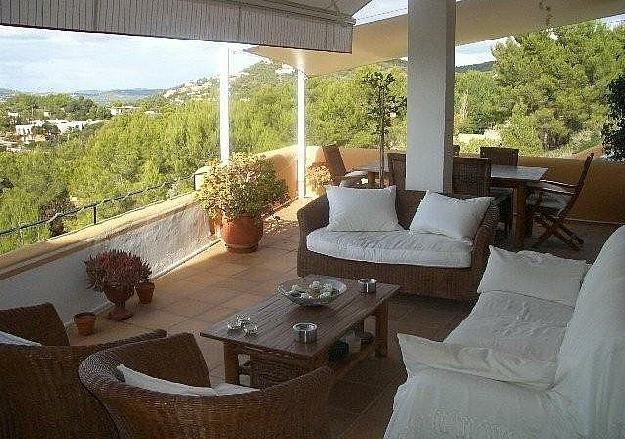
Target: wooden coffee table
275,356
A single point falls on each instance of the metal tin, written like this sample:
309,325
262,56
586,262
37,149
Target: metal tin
367,286
305,332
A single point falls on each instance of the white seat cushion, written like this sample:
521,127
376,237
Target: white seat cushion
396,247
6,338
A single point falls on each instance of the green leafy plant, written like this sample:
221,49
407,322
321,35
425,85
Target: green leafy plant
318,176
116,269
247,186
614,130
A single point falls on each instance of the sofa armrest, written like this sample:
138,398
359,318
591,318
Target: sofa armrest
313,216
484,237
39,323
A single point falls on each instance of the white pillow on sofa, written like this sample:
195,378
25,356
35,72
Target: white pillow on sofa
452,217
362,210
146,382
6,338
418,352
539,275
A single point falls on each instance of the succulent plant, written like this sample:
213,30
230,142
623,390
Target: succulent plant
116,268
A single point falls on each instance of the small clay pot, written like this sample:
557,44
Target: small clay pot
242,235
145,291
118,295
85,322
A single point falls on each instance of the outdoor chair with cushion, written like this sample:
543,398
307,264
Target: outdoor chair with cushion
499,155
397,169
551,202
471,176
40,392
338,172
293,409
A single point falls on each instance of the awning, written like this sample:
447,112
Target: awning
476,20
305,24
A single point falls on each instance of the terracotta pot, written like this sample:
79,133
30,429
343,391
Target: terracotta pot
241,235
145,291
85,322
118,295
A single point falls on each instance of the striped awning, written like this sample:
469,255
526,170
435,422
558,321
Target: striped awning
304,24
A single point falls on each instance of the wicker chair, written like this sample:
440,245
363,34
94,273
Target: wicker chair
293,409
499,155
41,394
450,283
471,176
338,172
397,169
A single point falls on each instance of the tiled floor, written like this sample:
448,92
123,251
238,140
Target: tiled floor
216,285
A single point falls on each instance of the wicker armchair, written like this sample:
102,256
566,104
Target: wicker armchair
41,394
293,409
450,283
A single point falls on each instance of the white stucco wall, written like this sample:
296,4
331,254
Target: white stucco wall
164,243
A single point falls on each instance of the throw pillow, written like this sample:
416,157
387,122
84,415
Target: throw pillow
146,382
362,210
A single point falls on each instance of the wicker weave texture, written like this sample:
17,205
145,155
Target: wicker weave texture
293,409
40,390
450,283
499,155
471,176
397,169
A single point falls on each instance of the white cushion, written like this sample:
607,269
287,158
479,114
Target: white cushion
6,338
146,382
224,389
458,219
418,352
534,274
360,210
398,247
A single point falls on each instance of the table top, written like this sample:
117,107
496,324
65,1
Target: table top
500,172
276,316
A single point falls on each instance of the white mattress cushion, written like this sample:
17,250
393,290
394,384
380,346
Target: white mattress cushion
359,210
396,247
147,382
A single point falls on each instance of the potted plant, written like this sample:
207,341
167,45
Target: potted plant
85,322
240,193
145,287
318,176
115,273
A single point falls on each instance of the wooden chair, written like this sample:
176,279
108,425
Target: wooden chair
471,176
551,202
500,156
397,169
338,172
290,410
40,393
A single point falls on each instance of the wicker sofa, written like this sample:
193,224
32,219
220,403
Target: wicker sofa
40,392
450,283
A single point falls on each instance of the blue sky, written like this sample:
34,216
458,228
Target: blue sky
44,60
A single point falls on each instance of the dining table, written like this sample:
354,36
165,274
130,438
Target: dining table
517,178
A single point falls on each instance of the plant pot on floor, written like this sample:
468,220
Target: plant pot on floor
242,235
118,296
85,323
145,291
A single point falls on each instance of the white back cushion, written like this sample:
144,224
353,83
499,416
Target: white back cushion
362,210
6,338
146,382
452,217
534,274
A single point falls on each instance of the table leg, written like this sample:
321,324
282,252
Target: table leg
371,175
519,197
381,330
231,363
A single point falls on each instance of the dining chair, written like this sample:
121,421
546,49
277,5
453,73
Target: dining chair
40,392
499,155
471,176
338,172
290,410
551,202
456,150
397,169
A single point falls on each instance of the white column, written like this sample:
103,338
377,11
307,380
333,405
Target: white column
431,63
301,134
224,104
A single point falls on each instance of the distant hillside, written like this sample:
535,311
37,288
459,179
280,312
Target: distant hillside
126,96
483,67
5,93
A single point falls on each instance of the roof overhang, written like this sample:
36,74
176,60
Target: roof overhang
305,24
476,20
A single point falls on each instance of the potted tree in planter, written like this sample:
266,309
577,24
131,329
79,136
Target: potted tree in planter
115,273
240,193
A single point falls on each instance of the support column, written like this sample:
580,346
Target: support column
224,105
431,65
301,134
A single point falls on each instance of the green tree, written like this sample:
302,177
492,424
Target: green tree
614,128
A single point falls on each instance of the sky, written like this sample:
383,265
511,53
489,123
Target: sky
54,61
